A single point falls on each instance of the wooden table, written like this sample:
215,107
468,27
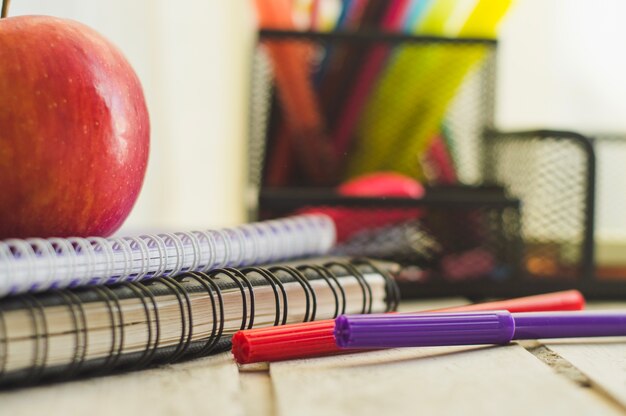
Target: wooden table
555,377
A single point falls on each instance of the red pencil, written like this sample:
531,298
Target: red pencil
304,135
313,339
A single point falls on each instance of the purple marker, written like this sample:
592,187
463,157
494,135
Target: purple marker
472,328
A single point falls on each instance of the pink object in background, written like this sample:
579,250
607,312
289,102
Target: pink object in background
349,221
382,184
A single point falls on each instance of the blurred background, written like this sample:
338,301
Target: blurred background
559,66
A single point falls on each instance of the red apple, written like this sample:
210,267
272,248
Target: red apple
74,130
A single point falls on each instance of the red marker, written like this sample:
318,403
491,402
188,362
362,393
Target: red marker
313,339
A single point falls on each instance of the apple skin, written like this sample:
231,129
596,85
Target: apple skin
74,130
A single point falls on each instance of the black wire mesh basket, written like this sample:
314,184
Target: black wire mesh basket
495,213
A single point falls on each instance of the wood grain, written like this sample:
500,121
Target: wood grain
257,396
430,304
603,361
443,381
204,386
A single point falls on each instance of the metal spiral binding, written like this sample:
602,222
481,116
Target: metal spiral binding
4,344
274,277
306,287
151,348
234,278
210,286
121,245
365,287
21,249
101,245
117,342
391,288
241,276
37,264
239,238
41,247
75,305
182,296
321,272
41,334
329,273
274,282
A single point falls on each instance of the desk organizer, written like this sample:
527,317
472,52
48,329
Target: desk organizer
502,213
610,229
448,236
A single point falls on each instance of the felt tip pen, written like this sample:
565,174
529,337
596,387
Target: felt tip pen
472,328
312,339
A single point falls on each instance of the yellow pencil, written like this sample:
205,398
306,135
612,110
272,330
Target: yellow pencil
412,97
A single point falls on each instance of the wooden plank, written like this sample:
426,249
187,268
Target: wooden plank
429,304
208,385
443,381
256,387
602,360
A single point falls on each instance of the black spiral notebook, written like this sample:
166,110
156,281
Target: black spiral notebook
96,330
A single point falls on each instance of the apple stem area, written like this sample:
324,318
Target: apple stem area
5,8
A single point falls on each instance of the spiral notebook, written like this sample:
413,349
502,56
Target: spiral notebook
35,265
69,332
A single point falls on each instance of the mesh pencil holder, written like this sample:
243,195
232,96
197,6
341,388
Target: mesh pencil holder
447,238
610,222
326,107
502,214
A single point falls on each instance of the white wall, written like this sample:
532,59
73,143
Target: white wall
562,65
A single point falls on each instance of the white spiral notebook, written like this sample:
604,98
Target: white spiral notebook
36,264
